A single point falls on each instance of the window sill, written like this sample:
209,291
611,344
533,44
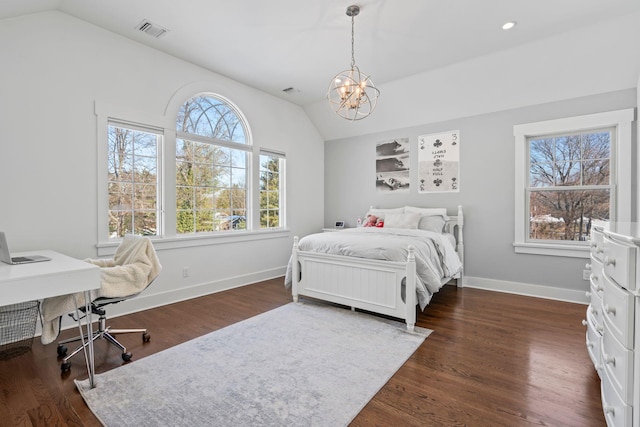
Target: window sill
189,241
552,249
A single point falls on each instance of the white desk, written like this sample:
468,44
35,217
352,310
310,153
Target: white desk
61,276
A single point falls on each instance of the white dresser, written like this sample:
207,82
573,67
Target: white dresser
613,328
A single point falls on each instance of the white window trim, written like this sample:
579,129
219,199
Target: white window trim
106,111
283,183
621,155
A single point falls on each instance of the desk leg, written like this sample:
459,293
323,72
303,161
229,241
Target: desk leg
88,347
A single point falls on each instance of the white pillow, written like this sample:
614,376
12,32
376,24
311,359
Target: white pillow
431,219
380,213
433,223
402,220
427,211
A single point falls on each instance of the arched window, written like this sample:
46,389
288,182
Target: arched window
213,154
213,118
225,184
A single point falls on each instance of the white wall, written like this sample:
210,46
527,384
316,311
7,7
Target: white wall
54,68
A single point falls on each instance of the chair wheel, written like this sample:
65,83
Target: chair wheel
127,356
62,350
146,337
65,367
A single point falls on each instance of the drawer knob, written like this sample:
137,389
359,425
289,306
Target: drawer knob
609,310
599,249
609,359
593,244
609,261
609,410
587,266
594,311
588,294
594,277
600,329
584,322
589,344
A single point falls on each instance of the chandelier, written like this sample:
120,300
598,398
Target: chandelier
351,93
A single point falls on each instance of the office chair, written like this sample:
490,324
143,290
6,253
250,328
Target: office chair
133,268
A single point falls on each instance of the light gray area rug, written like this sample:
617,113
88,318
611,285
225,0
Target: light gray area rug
302,364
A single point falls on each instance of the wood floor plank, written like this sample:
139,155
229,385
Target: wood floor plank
494,359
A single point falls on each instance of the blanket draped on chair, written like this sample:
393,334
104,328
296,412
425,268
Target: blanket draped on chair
134,266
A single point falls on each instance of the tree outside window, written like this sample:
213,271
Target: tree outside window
569,184
212,160
270,170
132,182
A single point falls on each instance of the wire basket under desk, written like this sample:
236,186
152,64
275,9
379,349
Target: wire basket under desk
17,328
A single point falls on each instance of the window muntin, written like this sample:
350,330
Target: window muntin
211,117
570,184
212,167
620,175
271,167
133,181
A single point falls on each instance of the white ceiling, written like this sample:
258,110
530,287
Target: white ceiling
276,44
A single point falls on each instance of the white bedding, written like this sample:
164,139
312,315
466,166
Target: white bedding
436,258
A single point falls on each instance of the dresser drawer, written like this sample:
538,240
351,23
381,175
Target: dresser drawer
593,341
596,244
619,263
617,365
618,311
616,412
594,311
595,278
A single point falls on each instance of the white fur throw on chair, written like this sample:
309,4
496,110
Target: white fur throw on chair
134,266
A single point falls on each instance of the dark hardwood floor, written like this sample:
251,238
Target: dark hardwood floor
493,359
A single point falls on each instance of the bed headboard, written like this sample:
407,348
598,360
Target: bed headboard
454,225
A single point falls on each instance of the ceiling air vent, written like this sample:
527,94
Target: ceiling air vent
151,29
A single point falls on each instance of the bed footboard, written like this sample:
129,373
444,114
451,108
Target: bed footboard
373,285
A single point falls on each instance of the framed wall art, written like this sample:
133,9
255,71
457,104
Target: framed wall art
439,162
393,165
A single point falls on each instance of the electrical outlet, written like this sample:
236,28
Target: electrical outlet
586,274
185,272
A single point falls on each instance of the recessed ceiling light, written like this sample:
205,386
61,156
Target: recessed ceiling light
509,25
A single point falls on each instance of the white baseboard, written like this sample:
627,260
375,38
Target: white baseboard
539,291
146,302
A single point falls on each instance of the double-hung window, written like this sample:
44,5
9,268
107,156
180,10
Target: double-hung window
571,174
271,189
133,180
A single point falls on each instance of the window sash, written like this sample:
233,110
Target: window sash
139,199
621,174
271,212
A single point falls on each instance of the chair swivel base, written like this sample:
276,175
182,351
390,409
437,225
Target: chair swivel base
102,332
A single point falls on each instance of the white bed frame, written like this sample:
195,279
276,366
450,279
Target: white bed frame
372,285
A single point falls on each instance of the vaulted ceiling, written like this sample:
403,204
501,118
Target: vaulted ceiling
300,45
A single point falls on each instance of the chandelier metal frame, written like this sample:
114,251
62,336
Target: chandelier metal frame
351,93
